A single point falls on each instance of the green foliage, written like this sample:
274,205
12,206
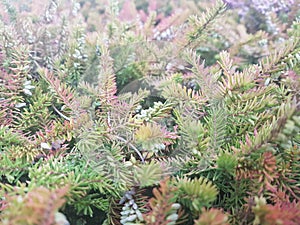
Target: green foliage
227,162
201,23
81,179
12,170
148,175
123,114
196,193
108,160
37,115
9,137
218,127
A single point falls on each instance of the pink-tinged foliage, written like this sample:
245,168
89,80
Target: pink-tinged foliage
38,206
286,213
10,84
10,96
212,217
160,204
170,137
6,115
107,80
153,7
128,11
64,93
210,100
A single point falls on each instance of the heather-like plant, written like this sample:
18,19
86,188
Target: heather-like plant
265,14
149,116
39,206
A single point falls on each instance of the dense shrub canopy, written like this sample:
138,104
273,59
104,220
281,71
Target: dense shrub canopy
149,112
